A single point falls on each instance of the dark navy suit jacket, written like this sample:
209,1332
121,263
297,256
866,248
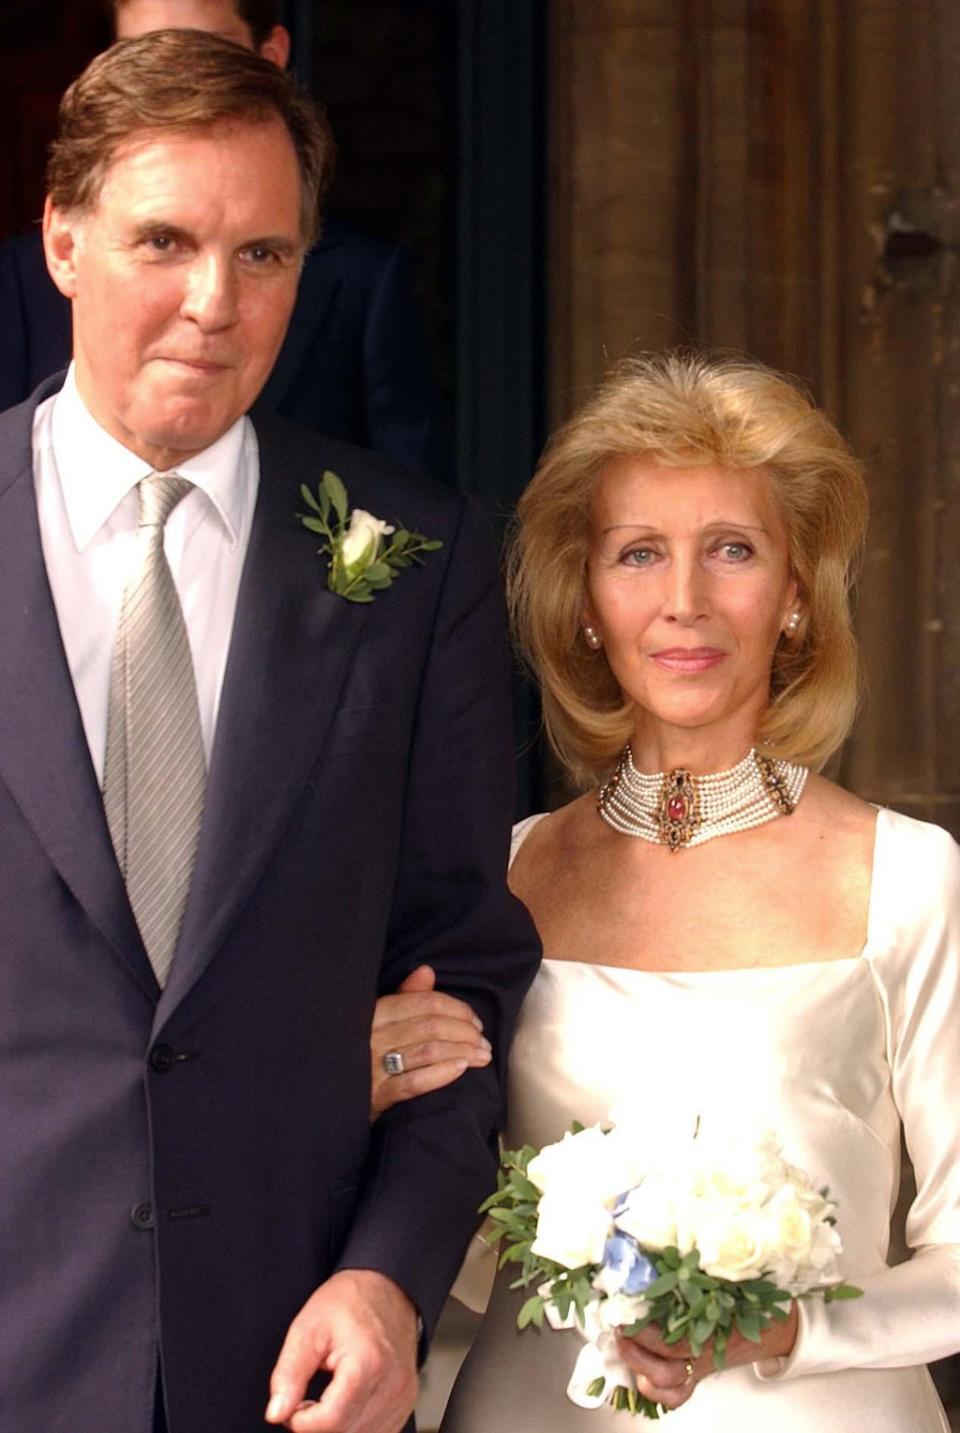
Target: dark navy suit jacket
353,364
180,1168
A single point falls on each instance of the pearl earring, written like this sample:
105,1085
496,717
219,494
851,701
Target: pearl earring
793,622
592,637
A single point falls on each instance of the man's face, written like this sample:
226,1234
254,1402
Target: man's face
183,277
219,17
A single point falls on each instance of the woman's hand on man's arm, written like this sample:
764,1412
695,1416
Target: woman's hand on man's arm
437,1036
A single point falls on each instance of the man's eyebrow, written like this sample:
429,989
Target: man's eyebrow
280,242
150,228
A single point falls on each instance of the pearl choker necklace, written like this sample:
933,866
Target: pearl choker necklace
676,808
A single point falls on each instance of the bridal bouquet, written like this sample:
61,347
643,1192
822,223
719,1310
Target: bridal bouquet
710,1238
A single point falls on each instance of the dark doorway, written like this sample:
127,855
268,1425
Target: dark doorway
45,44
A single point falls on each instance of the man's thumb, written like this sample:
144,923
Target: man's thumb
292,1372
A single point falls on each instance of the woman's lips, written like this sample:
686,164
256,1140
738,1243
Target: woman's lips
688,659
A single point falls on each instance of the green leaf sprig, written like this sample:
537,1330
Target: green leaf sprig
379,562
686,1303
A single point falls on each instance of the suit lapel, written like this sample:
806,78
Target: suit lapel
44,758
291,652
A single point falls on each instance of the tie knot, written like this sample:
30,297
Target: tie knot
159,495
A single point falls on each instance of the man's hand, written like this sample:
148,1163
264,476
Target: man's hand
361,1327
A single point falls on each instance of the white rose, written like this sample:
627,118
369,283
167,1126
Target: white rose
811,1199
589,1165
650,1213
621,1310
362,540
818,1267
791,1227
733,1246
790,1242
570,1230
826,1248
802,1243
791,1233
739,1174
726,1189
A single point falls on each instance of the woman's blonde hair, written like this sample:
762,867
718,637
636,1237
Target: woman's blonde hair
678,410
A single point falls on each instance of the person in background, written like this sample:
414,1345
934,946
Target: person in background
353,364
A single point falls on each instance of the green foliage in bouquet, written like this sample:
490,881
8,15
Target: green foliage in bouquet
686,1303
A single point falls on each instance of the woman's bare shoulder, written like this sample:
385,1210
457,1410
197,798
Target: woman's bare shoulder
824,801
552,839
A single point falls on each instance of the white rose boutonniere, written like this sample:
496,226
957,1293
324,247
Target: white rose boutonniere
363,540
365,552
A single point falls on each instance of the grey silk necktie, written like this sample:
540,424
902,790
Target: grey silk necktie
154,775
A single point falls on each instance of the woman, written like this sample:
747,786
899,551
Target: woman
728,935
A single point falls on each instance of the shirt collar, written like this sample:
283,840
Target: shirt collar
97,472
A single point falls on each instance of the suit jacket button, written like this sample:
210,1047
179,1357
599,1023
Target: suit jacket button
141,1217
162,1059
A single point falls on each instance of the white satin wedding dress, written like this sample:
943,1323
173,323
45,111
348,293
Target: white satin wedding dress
833,1057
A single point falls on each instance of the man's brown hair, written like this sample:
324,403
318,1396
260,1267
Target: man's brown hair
260,17
180,81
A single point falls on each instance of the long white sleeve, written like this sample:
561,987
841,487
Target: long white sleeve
909,1314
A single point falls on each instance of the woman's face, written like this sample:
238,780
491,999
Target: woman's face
689,588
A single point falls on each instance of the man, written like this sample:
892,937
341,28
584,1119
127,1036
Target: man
234,806
353,364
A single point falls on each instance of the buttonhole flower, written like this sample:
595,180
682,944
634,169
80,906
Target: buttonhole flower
366,553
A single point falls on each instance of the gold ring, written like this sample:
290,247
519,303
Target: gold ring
688,1370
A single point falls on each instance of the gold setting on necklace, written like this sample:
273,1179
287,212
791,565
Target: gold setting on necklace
678,809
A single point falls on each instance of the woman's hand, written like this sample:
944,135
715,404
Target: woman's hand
668,1373
438,1036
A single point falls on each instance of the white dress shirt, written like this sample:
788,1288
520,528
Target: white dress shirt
88,508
